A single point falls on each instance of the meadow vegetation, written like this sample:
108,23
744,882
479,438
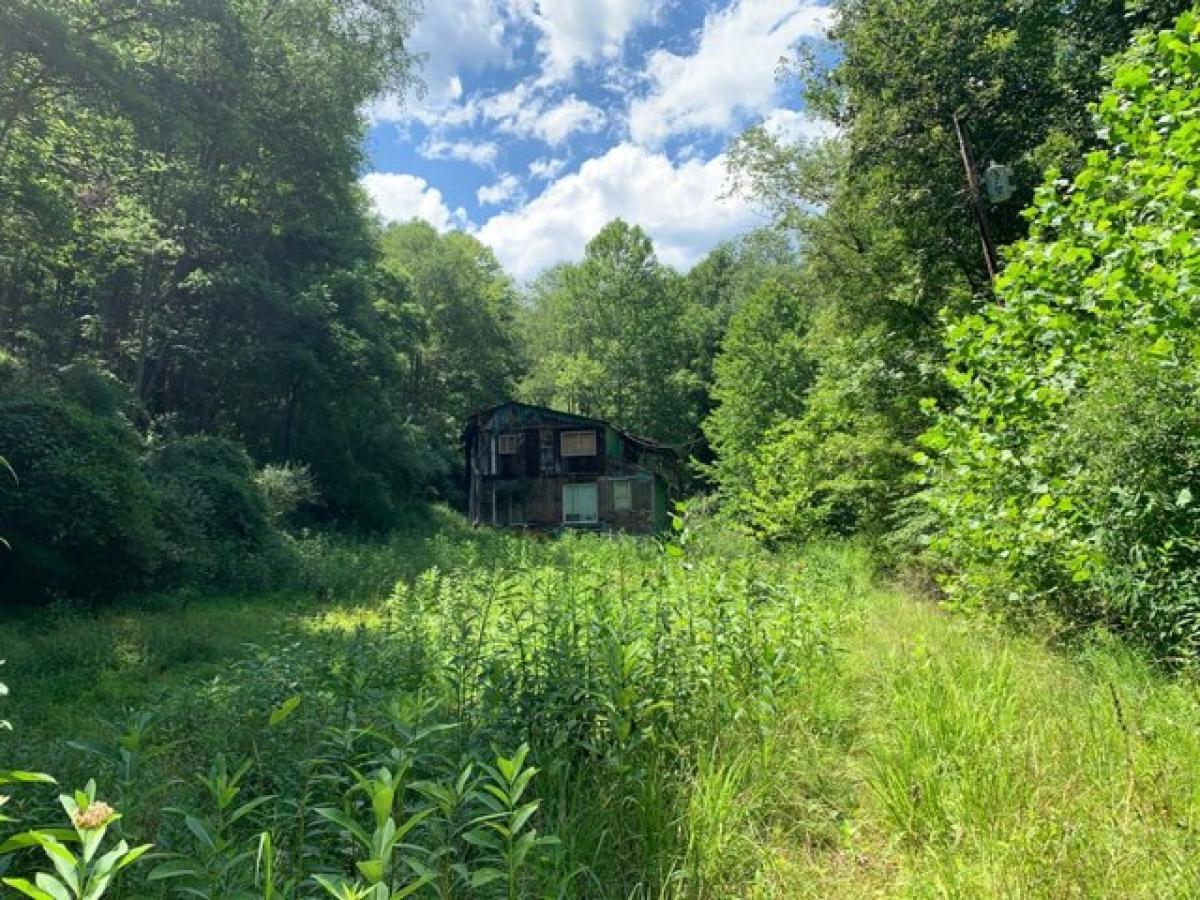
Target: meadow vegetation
469,714
261,657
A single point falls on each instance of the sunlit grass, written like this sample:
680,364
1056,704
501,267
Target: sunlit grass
793,730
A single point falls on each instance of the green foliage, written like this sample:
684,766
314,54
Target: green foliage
89,500
82,504
362,739
698,719
616,338
886,239
185,240
286,490
1064,477
762,375
213,518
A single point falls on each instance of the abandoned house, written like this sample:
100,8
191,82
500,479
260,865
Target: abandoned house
528,466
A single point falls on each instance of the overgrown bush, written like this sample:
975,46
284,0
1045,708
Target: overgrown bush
79,517
86,512
1066,480
817,477
214,520
286,490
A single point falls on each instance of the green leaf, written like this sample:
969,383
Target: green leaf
289,706
16,776
371,869
481,877
20,884
182,868
249,807
200,830
341,819
52,886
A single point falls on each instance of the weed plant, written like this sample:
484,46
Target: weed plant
594,717
519,719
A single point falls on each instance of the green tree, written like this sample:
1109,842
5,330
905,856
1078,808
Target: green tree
880,211
762,377
612,337
1065,478
179,204
466,358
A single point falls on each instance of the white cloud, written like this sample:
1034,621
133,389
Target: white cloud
791,126
546,169
505,188
583,31
683,207
481,153
454,36
525,112
732,71
554,124
398,197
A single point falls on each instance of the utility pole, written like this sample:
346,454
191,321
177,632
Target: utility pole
976,195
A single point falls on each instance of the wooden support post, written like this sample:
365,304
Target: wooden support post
990,257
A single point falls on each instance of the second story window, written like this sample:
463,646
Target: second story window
508,444
579,443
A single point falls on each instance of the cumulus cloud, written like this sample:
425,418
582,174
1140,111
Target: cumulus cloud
452,37
555,123
525,111
398,197
546,169
682,206
791,126
731,73
505,188
481,153
583,31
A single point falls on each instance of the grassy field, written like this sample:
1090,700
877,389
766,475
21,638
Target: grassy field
706,720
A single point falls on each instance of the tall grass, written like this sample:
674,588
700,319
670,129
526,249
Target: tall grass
638,675
705,721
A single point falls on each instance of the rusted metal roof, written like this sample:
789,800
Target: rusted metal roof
645,443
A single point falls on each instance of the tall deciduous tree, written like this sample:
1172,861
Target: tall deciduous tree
614,339
881,211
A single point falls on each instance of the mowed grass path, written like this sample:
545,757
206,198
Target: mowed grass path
981,764
939,757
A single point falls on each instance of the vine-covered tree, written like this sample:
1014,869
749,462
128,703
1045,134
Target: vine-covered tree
1065,478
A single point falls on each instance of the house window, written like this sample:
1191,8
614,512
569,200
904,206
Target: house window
579,443
509,444
622,495
508,508
579,504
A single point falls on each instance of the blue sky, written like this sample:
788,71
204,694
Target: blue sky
543,119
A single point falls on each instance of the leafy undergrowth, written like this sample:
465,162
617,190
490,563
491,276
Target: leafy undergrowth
604,718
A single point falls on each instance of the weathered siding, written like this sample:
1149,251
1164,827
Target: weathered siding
528,484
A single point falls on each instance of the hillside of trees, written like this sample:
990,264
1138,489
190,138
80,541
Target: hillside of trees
231,402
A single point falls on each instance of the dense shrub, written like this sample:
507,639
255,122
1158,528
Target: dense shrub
79,517
802,449
1067,479
805,483
286,490
213,518
85,512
